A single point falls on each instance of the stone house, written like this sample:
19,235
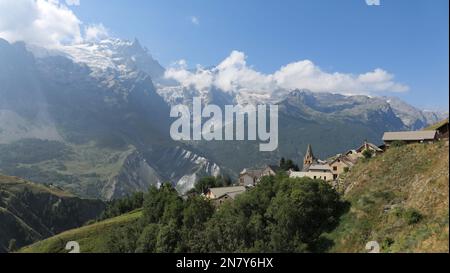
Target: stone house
251,177
224,194
341,164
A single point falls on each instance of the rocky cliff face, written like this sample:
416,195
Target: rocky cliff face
135,175
182,167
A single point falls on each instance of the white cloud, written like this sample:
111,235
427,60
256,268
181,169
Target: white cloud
195,20
47,23
41,22
95,32
73,2
234,75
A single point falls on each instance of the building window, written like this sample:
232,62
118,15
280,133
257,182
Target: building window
335,168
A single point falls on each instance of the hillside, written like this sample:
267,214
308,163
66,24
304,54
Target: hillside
30,212
91,238
437,125
400,200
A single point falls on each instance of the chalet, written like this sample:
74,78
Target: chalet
410,137
221,195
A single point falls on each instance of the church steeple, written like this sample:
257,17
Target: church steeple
309,157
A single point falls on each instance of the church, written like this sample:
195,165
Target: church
332,168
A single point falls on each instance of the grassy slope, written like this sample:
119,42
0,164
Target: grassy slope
15,184
384,192
437,125
82,169
92,238
30,212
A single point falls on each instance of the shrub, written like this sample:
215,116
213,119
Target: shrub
367,154
413,217
387,243
410,216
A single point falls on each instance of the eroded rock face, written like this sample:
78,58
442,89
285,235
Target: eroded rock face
135,175
181,167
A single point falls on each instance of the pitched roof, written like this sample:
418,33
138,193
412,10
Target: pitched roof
410,136
344,159
253,173
319,167
230,191
373,146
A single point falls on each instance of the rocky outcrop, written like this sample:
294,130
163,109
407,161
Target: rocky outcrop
136,175
181,166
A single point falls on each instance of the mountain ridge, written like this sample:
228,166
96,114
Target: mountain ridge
110,97
30,212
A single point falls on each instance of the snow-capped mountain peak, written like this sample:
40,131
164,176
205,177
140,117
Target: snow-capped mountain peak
109,57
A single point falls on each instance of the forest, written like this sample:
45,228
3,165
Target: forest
279,215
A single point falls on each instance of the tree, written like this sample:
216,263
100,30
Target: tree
124,239
367,154
167,239
280,215
300,213
205,183
120,206
160,202
148,239
287,165
197,212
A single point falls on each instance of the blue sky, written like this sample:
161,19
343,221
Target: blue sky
407,38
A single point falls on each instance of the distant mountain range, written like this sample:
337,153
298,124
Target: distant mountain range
94,119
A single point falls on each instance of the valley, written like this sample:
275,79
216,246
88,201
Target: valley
103,109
